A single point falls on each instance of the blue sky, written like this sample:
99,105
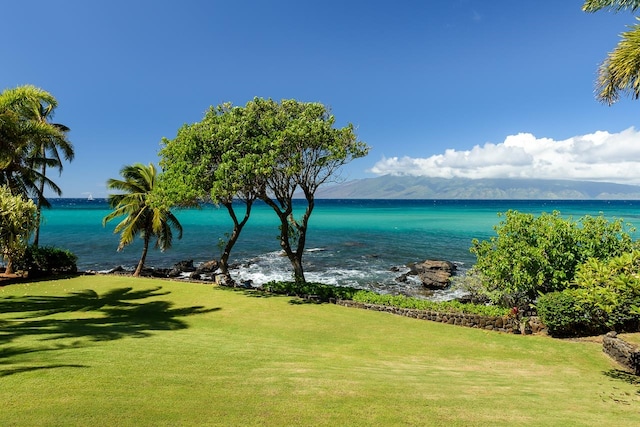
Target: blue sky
456,88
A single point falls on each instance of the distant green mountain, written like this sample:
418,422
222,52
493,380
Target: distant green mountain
412,187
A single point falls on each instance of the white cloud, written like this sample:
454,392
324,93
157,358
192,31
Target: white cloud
600,156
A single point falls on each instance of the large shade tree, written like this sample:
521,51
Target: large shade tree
140,216
219,160
308,152
266,149
619,74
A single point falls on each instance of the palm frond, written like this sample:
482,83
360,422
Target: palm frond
620,72
614,5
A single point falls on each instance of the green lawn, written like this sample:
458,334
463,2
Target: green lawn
118,351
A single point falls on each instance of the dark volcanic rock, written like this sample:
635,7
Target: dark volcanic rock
433,274
181,267
207,267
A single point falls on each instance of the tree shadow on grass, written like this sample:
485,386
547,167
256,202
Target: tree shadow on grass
619,374
84,316
619,396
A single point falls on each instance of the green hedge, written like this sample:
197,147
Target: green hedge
328,292
319,290
402,301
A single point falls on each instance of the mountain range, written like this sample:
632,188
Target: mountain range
412,187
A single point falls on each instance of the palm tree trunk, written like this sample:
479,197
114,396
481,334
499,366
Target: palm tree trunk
145,249
9,268
36,236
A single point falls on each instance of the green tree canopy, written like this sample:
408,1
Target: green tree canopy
309,151
141,217
221,159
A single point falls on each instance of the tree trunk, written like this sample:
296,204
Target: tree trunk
294,257
237,229
145,249
36,236
301,234
298,271
9,268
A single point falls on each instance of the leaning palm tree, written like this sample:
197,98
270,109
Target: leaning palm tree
140,216
620,71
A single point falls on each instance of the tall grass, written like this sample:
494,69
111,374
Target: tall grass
108,350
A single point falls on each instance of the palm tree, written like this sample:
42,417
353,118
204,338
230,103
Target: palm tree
26,139
47,153
596,5
141,217
16,166
620,71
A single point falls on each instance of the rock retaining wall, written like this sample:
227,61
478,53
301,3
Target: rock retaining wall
622,352
492,323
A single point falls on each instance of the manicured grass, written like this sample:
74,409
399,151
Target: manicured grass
109,350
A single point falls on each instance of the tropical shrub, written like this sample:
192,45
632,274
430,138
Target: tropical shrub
45,260
564,315
612,288
532,255
17,222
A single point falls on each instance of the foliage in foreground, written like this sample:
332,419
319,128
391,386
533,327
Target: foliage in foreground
532,255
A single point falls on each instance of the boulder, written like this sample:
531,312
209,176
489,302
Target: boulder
207,267
181,267
432,273
118,269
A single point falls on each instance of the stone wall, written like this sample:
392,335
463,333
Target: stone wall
622,352
492,323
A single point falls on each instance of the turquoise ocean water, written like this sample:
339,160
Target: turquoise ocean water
350,242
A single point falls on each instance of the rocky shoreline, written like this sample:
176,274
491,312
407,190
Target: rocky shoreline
422,277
